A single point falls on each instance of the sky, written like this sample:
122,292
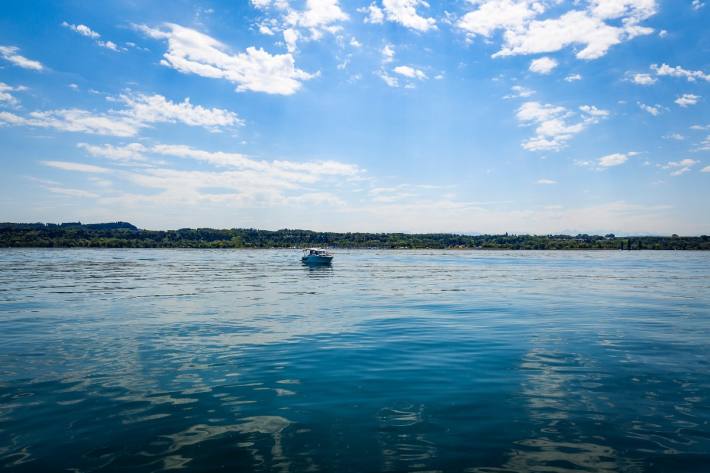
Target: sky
467,116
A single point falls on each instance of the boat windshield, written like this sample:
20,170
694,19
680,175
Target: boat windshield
316,252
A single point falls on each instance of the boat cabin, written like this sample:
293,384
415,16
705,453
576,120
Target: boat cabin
315,252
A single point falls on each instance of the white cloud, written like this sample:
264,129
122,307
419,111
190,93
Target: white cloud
573,77
674,136
593,111
615,159
677,71
546,182
291,37
375,15
706,169
317,18
9,53
264,29
590,28
318,14
643,79
387,53
583,163
82,30
6,97
157,109
680,167
553,130
256,70
697,5
108,45
519,92
7,118
388,79
142,111
491,15
655,111
410,72
534,111
261,4
78,167
687,99
405,13
552,35
89,33
543,65
631,10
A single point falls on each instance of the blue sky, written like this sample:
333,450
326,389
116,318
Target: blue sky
387,115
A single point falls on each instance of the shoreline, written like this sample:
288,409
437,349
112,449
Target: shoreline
126,235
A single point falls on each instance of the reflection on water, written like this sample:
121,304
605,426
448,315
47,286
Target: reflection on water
318,270
151,360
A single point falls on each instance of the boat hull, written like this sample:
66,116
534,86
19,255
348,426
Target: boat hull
316,259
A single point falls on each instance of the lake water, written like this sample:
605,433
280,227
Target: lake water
244,360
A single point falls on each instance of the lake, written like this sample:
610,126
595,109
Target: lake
245,360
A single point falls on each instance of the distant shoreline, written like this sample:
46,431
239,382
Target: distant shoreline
125,235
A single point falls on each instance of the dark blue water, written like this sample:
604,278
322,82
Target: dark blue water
200,360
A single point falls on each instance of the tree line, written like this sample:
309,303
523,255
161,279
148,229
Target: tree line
125,235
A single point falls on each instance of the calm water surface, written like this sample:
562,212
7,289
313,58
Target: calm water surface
200,360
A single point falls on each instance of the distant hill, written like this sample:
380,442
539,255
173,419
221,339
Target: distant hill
91,226
125,235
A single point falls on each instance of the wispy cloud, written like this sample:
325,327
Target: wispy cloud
141,111
6,97
681,167
518,91
76,167
89,33
9,53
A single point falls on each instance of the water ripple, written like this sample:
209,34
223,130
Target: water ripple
245,360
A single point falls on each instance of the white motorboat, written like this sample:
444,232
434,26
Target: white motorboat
316,256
